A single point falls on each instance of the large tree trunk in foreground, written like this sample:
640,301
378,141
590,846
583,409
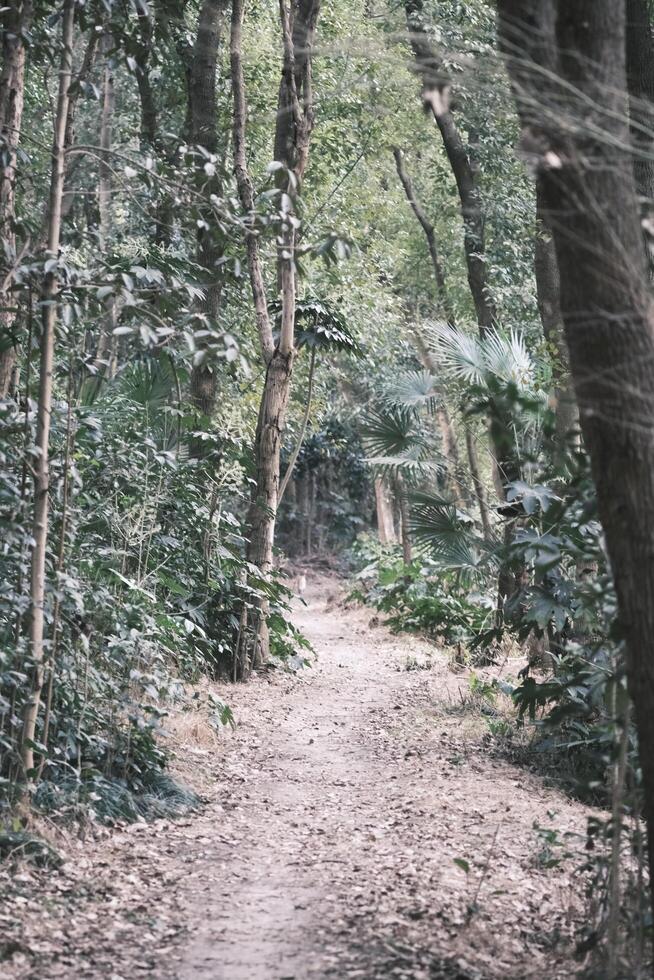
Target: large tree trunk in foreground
640,82
15,21
567,66
44,408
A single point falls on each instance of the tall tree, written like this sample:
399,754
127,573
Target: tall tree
14,24
44,406
640,81
436,95
203,133
449,442
548,292
106,340
567,67
295,119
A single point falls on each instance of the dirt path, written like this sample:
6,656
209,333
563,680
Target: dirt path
327,848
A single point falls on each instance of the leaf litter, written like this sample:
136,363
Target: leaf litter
351,827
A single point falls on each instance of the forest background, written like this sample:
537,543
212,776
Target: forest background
292,280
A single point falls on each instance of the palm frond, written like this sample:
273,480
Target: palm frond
412,389
392,433
447,535
460,354
413,469
507,358
149,383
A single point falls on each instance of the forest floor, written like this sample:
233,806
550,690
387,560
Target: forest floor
328,842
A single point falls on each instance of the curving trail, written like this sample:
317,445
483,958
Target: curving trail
327,847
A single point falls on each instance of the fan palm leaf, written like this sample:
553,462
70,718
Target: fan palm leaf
413,389
448,536
460,354
392,433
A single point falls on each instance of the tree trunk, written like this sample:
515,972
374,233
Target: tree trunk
16,20
571,58
294,126
263,509
640,82
478,484
405,514
385,524
203,132
430,235
548,289
105,354
44,407
435,91
303,428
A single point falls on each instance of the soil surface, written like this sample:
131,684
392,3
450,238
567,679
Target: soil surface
354,825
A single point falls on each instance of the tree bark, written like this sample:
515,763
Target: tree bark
385,524
44,407
203,132
430,235
303,428
548,290
478,484
435,92
405,515
567,67
640,82
295,117
16,20
106,342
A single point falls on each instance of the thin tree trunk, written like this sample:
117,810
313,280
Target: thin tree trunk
106,341
385,524
44,407
567,66
405,515
430,235
548,289
478,484
263,508
295,118
61,554
436,86
204,133
303,428
16,20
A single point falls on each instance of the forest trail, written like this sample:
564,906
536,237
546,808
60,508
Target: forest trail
327,847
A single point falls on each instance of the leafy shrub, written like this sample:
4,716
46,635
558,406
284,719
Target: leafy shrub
420,597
